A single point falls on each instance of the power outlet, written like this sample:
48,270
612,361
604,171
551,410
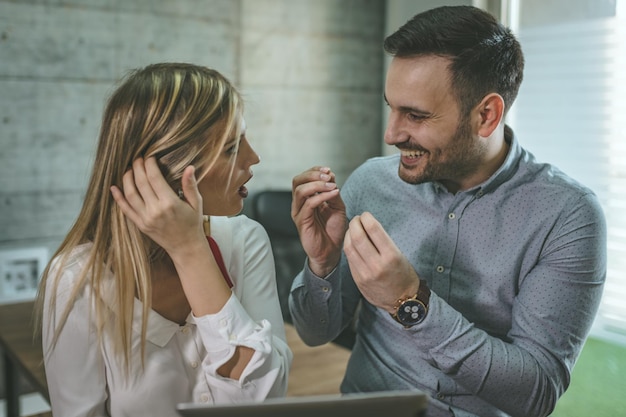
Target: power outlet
20,271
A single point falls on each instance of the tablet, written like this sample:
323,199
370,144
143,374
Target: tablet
371,404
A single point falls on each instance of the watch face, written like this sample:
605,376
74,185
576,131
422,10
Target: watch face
411,312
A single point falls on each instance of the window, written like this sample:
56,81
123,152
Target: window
571,111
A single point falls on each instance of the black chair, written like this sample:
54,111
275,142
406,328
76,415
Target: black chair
272,209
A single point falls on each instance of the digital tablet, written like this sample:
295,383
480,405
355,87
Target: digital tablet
372,404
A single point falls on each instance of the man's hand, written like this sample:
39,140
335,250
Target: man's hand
382,273
320,216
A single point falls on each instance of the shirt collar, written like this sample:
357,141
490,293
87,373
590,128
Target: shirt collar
160,330
509,167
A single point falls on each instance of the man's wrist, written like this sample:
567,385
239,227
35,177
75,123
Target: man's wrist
321,270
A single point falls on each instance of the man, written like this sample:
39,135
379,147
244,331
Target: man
478,270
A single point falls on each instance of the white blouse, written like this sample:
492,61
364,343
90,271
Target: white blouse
181,362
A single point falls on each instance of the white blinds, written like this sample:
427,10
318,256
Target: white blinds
571,111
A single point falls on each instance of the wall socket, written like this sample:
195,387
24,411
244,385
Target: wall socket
20,272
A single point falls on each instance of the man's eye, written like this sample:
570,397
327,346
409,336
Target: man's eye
415,117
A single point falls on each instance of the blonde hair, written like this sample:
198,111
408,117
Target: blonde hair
182,114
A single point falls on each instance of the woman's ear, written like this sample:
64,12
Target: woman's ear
490,112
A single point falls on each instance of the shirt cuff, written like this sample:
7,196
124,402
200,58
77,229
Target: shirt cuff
229,327
309,274
321,286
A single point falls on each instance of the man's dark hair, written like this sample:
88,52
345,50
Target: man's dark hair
485,56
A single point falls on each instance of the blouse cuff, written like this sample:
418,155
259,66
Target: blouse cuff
229,327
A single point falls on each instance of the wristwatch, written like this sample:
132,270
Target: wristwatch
413,310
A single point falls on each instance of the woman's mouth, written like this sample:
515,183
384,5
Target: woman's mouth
243,191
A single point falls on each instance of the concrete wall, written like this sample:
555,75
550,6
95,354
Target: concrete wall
311,72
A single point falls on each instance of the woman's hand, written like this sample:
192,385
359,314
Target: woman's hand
151,204
175,224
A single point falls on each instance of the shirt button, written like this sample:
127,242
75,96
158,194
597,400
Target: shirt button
451,216
323,321
232,337
325,289
185,330
440,396
204,398
440,269
223,323
194,364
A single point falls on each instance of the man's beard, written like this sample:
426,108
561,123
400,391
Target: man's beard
462,158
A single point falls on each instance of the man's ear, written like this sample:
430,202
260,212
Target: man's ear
489,114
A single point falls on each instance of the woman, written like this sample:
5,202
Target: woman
156,296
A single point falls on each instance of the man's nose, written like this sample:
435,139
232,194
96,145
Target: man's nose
392,131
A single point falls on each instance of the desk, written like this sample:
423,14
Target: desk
22,355
314,371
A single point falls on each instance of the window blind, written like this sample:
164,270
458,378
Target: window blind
571,111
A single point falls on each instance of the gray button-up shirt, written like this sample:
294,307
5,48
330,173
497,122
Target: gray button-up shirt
516,267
